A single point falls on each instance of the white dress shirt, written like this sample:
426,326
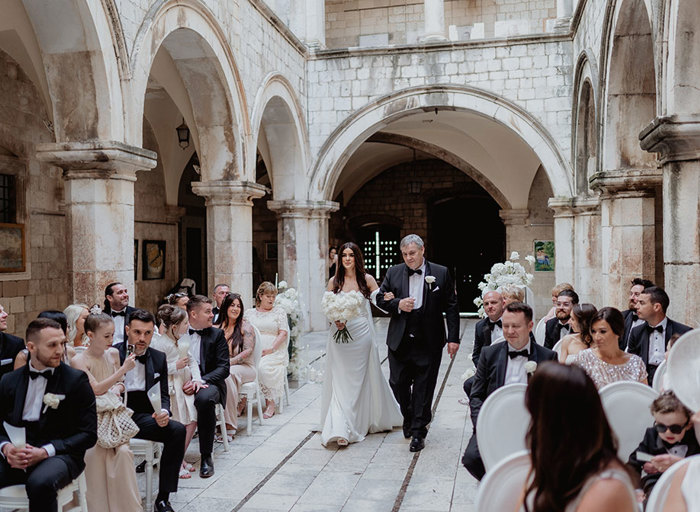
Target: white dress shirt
35,396
135,379
195,354
657,344
515,368
118,328
415,286
496,333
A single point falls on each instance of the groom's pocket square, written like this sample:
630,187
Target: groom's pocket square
156,375
436,288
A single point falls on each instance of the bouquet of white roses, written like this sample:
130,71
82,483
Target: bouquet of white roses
502,274
341,307
288,300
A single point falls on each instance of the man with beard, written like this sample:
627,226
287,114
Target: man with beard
632,320
558,327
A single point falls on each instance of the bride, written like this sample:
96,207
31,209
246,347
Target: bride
356,397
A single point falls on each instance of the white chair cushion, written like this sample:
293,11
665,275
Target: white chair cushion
501,488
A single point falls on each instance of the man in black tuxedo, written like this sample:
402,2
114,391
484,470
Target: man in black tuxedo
502,364
117,306
487,330
423,291
220,293
209,348
10,345
56,406
650,340
151,367
632,320
558,327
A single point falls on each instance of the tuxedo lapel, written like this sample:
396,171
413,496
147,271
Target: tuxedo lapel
204,339
644,344
426,293
501,363
20,395
405,289
55,386
149,370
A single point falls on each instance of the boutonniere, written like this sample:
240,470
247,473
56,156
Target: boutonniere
51,400
530,368
430,280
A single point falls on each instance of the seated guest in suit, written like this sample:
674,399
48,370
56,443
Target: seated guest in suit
671,439
573,451
151,368
56,406
555,294
117,305
487,330
209,349
649,341
220,292
632,320
580,337
502,364
558,327
10,345
68,351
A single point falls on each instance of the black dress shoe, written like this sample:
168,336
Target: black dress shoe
417,444
140,468
163,506
207,468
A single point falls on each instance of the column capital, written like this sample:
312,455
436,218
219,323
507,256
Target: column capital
563,207
229,192
291,209
514,216
675,138
586,205
97,159
637,182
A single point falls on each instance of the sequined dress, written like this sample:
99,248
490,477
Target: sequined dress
604,373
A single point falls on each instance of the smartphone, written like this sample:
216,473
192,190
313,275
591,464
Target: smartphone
129,350
644,457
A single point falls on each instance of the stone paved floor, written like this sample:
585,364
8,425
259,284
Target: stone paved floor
283,466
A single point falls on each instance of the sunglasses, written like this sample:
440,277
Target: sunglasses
675,429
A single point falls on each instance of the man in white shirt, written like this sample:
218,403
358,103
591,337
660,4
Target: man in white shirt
117,306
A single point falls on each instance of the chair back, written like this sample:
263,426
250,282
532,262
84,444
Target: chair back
659,494
503,486
557,347
540,331
257,351
659,377
626,405
502,425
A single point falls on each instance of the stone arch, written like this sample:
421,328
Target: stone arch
584,122
277,116
203,81
681,94
353,131
628,85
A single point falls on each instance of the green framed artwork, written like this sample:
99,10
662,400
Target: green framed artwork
544,255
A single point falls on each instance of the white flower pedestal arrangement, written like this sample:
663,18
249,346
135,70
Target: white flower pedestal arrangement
511,272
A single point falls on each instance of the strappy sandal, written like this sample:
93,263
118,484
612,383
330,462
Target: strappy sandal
184,474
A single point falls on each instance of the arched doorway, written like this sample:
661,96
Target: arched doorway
192,232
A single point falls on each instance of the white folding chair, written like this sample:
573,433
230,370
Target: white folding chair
221,422
285,399
659,495
151,452
14,497
659,377
251,390
557,347
497,439
626,405
540,331
503,486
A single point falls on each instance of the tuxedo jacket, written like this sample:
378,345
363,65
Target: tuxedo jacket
438,298
639,341
156,372
482,338
628,315
491,372
10,346
71,428
551,334
214,363
128,312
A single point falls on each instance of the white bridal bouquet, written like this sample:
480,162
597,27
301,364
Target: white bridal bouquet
502,274
341,307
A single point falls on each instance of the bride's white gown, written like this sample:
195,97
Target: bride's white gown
356,399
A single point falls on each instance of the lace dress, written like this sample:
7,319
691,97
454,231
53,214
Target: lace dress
272,369
604,373
181,405
242,370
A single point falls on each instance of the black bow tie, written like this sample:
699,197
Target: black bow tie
196,331
492,325
635,317
118,313
518,353
416,271
658,328
561,326
142,358
46,374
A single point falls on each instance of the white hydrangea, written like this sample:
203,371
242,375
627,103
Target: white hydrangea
504,274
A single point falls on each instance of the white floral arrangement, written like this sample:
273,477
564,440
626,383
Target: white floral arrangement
342,307
503,274
288,299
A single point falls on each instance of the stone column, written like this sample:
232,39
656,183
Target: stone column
564,13
587,249
434,17
564,262
315,36
99,191
627,230
514,220
302,236
230,232
677,140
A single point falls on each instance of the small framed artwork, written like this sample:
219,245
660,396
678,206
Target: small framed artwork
153,259
270,251
12,248
544,255
136,260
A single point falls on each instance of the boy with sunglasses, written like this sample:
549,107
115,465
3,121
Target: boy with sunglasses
671,439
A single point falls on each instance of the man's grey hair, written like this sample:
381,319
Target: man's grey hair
485,292
220,285
412,239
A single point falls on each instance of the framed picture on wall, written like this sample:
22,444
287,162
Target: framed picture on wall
136,260
153,259
12,248
270,250
544,255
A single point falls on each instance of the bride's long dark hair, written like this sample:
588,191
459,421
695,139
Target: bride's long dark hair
339,278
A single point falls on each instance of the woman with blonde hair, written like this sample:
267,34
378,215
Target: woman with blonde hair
75,319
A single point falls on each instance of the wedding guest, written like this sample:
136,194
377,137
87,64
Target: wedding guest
671,439
502,364
558,327
632,320
56,406
220,293
241,343
109,472
332,261
151,368
555,294
684,492
511,293
487,330
10,346
180,368
117,305
75,318
209,350
271,321
649,341
178,299
60,317
605,362
573,451
580,337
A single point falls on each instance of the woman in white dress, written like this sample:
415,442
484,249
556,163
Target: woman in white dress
580,337
272,323
356,397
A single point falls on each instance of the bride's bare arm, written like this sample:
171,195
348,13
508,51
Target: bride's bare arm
330,284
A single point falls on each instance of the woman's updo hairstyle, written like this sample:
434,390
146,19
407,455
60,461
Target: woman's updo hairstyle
170,315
